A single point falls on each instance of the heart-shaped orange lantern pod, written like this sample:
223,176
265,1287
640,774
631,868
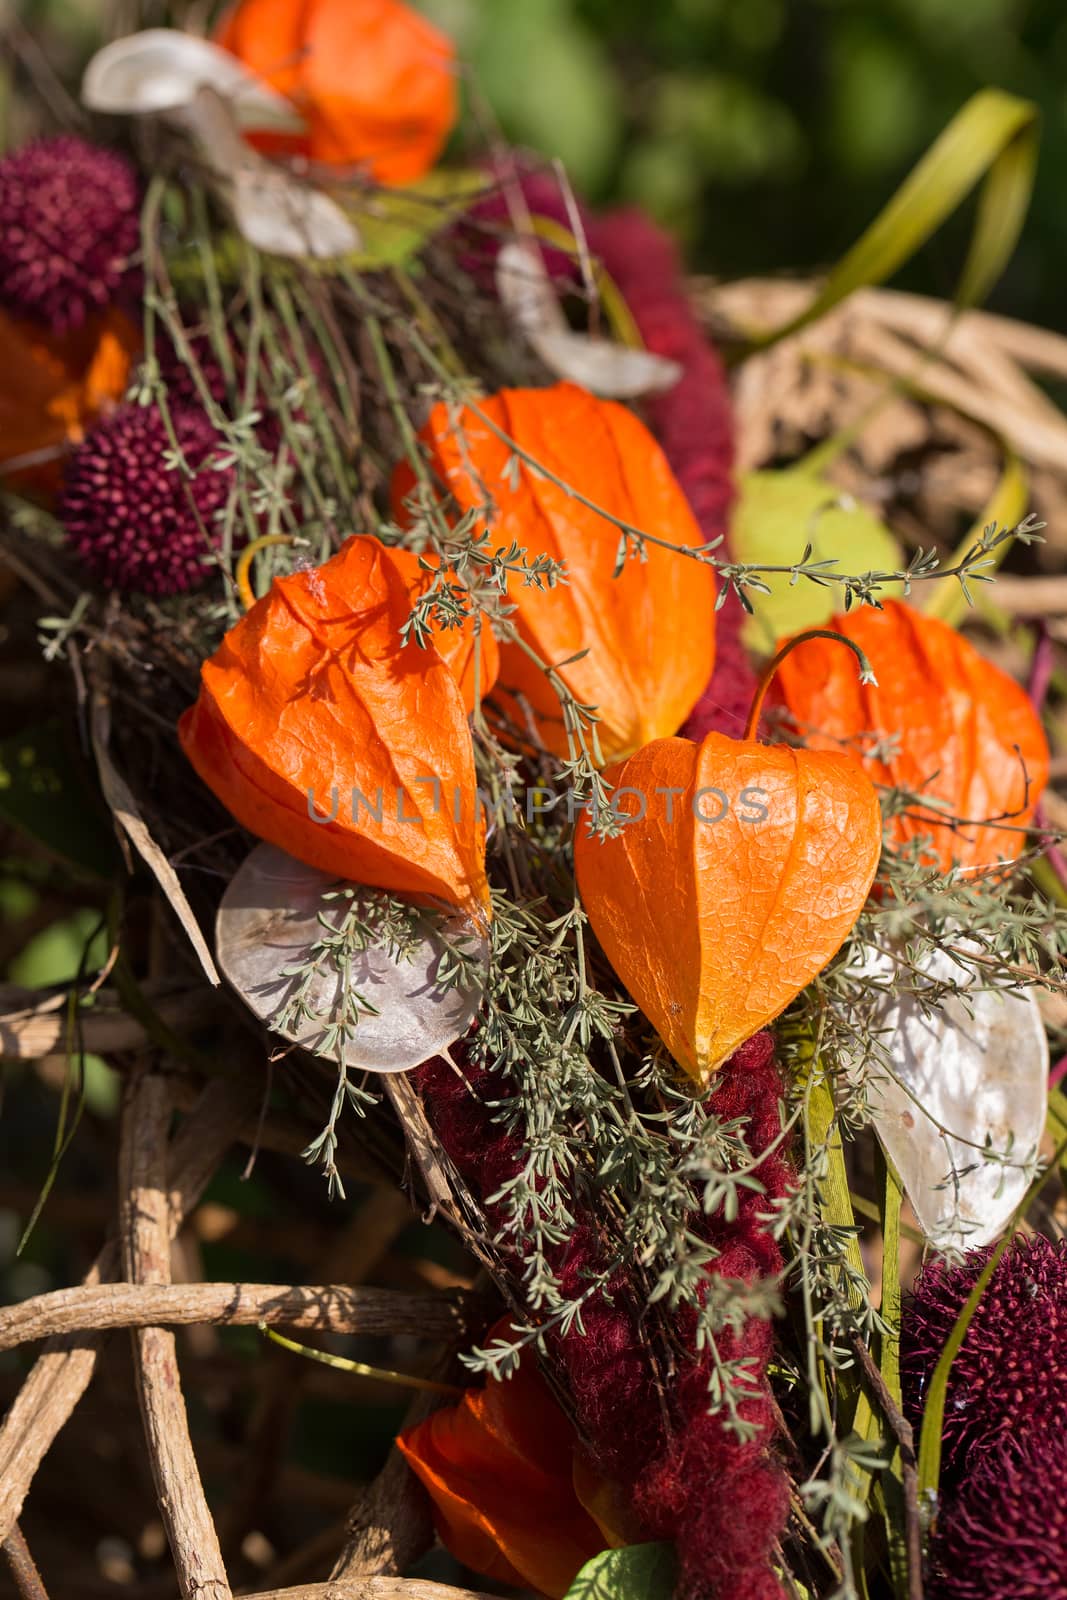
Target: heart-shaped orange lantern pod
469,649
738,878
374,80
648,635
965,733
322,732
53,385
508,1481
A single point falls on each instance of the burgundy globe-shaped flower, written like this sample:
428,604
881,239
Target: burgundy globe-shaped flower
138,522
69,226
1005,1532
1009,1379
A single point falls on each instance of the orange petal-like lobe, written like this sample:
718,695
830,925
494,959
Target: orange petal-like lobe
649,633
374,79
498,1467
739,883
53,386
470,649
313,694
966,734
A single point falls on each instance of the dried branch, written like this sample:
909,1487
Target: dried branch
64,1369
146,1235
390,1525
31,1027
27,1579
128,819
373,1589
329,1308
904,1435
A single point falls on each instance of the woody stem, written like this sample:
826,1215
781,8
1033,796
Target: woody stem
866,670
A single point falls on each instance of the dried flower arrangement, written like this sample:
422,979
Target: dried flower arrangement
651,879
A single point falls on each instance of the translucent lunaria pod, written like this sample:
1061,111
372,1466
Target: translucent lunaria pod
960,1101
162,69
196,86
613,371
285,939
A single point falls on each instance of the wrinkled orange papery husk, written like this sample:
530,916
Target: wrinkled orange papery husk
714,927
957,719
649,634
501,1468
313,689
374,80
470,650
52,388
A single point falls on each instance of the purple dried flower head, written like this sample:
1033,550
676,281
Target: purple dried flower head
1005,1532
69,225
137,523
1009,1379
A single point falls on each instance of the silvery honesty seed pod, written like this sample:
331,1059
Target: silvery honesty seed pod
205,91
615,371
958,1093
310,956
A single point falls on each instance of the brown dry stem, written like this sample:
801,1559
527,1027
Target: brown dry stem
23,1567
372,1589
332,1308
65,1367
146,1234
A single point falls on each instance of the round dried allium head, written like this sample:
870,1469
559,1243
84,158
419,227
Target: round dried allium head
138,522
69,228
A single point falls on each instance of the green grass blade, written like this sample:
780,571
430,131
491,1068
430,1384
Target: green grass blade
994,135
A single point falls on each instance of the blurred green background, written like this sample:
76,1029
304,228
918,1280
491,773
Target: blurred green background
765,133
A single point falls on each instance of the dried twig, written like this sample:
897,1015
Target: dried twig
31,1027
23,1568
372,1589
65,1367
390,1526
146,1235
329,1308
902,1432
123,807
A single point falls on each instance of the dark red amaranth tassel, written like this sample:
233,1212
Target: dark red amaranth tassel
688,1478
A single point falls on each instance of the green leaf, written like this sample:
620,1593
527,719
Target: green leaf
634,1572
44,791
777,514
395,223
994,135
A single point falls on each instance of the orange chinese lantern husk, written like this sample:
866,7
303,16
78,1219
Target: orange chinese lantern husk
470,649
53,386
499,1468
374,80
313,703
965,733
740,882
648,633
